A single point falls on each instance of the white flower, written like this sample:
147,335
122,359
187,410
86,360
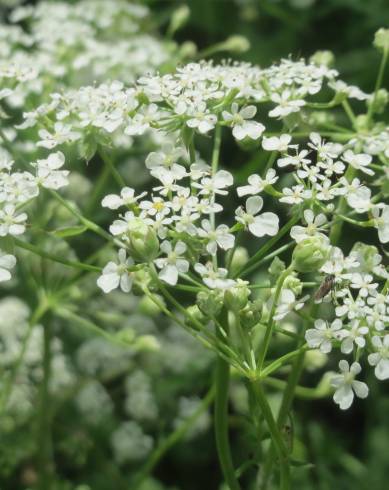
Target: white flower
322,336
167,159
127,198
48,174
313,228
215,184
355,334
115,274
295,195
214,279
10,222
287,303
275,143
121,226
325,191
380,358
381,221
325,150
173,264
359,161
286,105
294,160
219,236
257,184
259,225
142,120
364,284
357,195
156,207
241,126
7,262
62,134
346,384
201,119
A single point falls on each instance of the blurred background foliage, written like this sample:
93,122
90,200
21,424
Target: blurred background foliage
344,450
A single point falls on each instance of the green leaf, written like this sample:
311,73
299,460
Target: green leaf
70,231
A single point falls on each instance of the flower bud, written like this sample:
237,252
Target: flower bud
314,360
310,254
362,122
178,19
381,39
239,259
276,267
187,50
235,298
148,307
325,58
251,314
143,241
236,44
294,284
195,313
379,102
210,302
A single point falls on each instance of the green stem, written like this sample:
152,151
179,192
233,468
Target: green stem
171,440
47,255
44,436
270,324
222,377
379,81
275,434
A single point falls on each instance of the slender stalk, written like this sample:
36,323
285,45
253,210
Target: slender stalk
222,378
269,329
275,434
55,258
379,81
45,456
175,437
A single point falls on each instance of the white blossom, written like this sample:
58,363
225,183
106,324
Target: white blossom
346,385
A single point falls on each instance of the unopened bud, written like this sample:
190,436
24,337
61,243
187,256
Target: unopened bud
236,297
379,102
325,58
236,44
310,254
381,39
210,302
143,241
239,259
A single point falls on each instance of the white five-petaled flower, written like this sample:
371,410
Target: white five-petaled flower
364,283
313,228
214,279
287,303
62,134
359,161
117,274
48,173
242,127
10,222
278,143
294,160
285,104
256,184
216,184
380,358
7,262
173,263
354,335
346,385
322,336
259,225
200,118
381,221
219,236
295,195
127,198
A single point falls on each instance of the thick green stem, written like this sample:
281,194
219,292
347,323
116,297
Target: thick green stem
222,377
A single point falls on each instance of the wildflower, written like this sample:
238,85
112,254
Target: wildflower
381,221
287,303
296,195
48,173
7,262
62,134
355,334
294,160
218,236
242,127
116,274
359,161
313,228
215,184
275,143
346,385
200,118
380,358
257,184
363,282
173,264
214,279
259,225
10,222
286,105
322,336
127,198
